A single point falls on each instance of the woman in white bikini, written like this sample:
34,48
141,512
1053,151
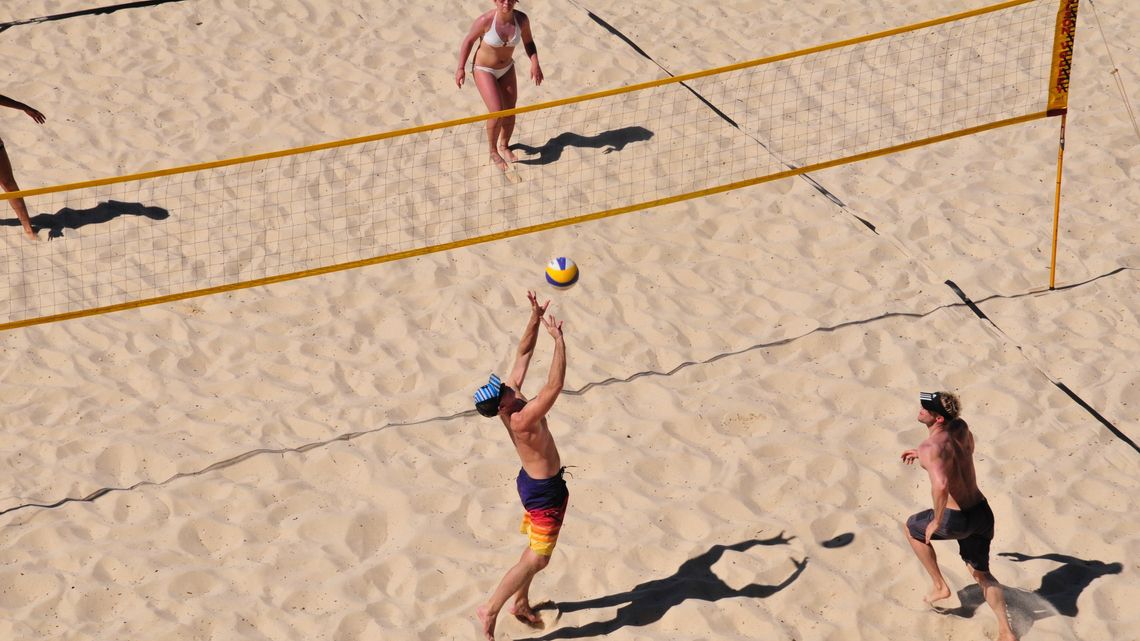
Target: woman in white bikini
498,31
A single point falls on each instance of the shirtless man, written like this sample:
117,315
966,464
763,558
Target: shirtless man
7,179
540,485
960,510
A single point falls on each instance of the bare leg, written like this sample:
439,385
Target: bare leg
929,560
508,90
21,209
8,182
494,126
992,590
493,98
520,606
505,139
529,564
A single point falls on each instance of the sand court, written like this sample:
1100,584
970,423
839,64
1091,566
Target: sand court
300,461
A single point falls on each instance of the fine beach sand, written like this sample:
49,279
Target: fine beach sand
298,461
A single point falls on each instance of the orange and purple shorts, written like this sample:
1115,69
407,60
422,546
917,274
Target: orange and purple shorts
545,502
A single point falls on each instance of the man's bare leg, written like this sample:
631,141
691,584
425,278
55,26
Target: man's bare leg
929,560
521,574
520,606
992,591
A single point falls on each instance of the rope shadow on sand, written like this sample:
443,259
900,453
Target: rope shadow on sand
469,413
834,328
1092,411
1057,595
608,141
648,602
104,212
966,303
233,461
84,12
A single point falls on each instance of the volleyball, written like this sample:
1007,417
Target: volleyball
561,272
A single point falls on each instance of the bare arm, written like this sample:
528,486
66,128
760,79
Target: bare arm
527,342
32,112
931,458
478,28
537,408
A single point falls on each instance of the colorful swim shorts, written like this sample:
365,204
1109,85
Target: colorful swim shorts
545,503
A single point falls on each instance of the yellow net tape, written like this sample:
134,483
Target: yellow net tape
120,243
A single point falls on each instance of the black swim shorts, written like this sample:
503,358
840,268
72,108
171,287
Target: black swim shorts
972,528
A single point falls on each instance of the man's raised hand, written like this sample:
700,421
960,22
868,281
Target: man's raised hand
535,308
553,325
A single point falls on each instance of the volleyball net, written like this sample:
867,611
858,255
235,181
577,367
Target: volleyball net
129,241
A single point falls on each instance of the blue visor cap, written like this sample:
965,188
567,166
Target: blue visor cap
491,391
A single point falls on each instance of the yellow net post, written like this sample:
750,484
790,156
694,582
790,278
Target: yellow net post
1064,39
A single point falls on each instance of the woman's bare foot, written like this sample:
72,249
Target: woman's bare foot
937,594
487,622
498,161
523,612
31,234
507,154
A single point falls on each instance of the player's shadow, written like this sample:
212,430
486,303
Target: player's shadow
609,141
648,602
68,218
1057,595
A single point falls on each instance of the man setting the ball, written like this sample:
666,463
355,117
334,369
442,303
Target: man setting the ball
540,484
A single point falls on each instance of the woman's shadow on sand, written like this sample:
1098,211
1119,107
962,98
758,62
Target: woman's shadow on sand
609,141
1057,594
68,218
648,602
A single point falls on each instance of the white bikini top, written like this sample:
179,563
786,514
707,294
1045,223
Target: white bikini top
493,38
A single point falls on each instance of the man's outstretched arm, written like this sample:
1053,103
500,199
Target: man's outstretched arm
527,342
537,408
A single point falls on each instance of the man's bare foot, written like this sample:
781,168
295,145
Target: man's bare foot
31,234
487,622
937,594
507,154
1007,636
523,612
498,161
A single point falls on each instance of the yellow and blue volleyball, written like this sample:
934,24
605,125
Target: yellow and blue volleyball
561,272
